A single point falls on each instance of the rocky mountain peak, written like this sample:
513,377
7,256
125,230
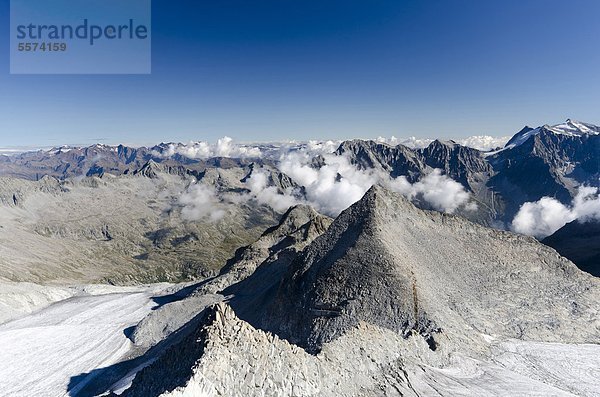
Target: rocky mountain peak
568,128
385,262
395,160
519,137
150,170
574,127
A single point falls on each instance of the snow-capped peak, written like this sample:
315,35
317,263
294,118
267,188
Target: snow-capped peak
569,127
573,127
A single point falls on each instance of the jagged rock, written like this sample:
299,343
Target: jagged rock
226,356
546,161
298,227
463,164
398,160
149,170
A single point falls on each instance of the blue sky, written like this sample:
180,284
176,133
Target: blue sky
273,70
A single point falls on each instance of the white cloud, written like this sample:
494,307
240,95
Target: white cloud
269,195
330,188
224,147
440,191
333,187
322,147
547,215
414,142
200,202
479,142
484,142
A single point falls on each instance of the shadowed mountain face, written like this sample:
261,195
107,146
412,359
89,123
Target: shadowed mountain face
546,164
579,242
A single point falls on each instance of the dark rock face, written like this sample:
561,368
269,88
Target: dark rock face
461,163
398,160
580,243
346,278
546,164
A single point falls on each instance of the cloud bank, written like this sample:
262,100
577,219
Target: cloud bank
224,147
545,216
439,191
484,142
479,142
338,184
258,183
331,187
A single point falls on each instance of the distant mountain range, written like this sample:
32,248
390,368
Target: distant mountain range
548,161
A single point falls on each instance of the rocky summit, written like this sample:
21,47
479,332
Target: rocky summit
396,301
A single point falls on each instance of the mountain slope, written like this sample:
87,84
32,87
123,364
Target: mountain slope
463,164
395,160
125,229
548,161
385,262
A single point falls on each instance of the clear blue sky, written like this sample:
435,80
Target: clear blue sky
282,69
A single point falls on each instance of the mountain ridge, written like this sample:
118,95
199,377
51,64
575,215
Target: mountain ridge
548,161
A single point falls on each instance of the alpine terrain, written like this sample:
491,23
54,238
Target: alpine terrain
350,268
